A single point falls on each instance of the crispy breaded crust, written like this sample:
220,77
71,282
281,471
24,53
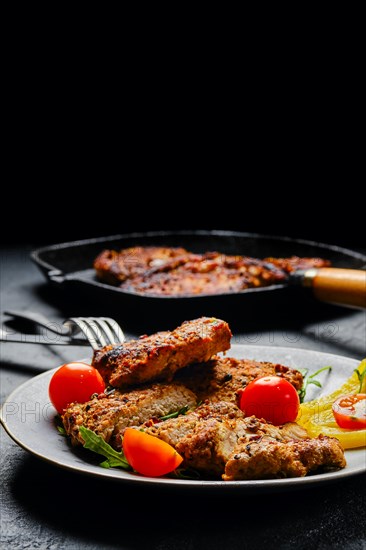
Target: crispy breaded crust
268,458
214,438
223,378
217,440
159,356
109,415
218,380
204,438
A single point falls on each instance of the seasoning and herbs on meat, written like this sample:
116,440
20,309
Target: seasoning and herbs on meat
178,387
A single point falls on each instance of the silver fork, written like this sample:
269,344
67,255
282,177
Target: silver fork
98,331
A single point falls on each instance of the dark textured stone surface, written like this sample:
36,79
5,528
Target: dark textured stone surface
48,508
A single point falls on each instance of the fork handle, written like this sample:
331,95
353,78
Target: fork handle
39,339
40,320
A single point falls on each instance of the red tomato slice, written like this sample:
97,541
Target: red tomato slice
272,398
74,382
350,411
149,455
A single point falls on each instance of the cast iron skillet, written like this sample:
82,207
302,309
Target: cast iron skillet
69,266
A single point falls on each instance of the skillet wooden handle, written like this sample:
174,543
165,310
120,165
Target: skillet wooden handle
338,286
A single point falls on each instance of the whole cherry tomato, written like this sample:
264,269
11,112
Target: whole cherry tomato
272,398
74,382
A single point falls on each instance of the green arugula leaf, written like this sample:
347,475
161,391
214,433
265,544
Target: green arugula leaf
186,473
183,410
61,430
315,382
310,379
361,378
96,443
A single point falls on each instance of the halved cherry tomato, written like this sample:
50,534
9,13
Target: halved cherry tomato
272,398
74,382
149,455
350,411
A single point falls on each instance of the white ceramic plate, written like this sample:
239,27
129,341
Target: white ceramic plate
29,418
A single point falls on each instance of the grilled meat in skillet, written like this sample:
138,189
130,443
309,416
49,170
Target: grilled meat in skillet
115,267
164,271
209,273
295,263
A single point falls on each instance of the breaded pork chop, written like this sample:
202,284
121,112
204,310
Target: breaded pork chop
217,440
217,380
205,437
269,458
109,415
160,355
223,378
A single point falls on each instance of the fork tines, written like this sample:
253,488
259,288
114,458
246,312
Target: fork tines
99,331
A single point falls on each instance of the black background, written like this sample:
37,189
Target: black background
65,212
58,193
280,156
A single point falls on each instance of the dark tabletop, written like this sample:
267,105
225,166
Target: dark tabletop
43,506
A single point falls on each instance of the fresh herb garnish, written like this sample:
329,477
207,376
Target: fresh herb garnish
310,379
186,473
59,426
61,430
361,378
96,443
175,414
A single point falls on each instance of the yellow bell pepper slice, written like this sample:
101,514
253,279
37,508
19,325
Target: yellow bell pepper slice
317,417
